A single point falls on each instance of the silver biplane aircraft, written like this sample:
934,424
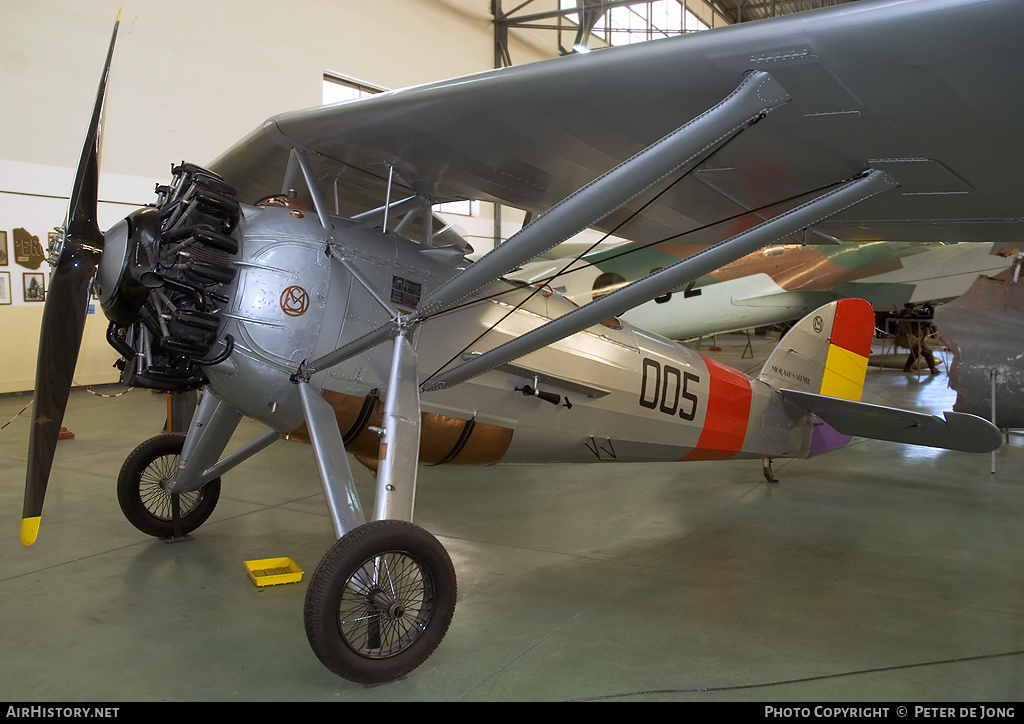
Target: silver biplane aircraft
300,282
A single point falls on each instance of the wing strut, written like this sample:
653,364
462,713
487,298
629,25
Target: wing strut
299,156
669,278
756,96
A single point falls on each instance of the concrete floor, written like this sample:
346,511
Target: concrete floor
875,573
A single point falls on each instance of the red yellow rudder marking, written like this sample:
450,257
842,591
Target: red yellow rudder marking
846,362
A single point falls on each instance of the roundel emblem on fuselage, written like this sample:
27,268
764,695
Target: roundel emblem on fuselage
294,301
819,324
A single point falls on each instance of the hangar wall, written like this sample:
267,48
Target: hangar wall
188,79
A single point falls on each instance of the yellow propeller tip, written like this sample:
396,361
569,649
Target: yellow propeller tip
29,530
119,15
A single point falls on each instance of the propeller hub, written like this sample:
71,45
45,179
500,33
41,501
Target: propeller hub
56,246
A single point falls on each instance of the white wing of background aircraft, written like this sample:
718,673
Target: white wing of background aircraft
774,285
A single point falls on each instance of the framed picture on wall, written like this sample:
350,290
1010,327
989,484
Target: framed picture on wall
3,252
33,287
5,288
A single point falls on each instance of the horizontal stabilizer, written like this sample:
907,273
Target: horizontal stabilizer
958,431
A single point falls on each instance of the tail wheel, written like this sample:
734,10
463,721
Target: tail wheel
142,489
380,601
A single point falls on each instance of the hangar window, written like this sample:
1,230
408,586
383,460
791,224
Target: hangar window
459,208
641,21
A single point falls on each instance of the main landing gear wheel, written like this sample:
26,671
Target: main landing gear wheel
380,601
142,489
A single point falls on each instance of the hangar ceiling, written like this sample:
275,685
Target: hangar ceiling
622,21
741,11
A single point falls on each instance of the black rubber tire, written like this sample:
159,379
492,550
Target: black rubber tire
414,601
141,494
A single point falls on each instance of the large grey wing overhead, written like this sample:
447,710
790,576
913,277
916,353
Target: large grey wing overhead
920,89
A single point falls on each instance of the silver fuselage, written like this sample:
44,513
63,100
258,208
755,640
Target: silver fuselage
632,395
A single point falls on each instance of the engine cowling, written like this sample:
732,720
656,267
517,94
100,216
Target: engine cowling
161,278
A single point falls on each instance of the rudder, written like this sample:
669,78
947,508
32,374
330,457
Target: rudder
826,352
820,366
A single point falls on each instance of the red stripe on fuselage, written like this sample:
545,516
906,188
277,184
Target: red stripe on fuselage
725,424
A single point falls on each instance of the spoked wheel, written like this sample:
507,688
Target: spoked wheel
142,489
380,601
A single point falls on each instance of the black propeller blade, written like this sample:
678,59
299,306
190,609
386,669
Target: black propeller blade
67,302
